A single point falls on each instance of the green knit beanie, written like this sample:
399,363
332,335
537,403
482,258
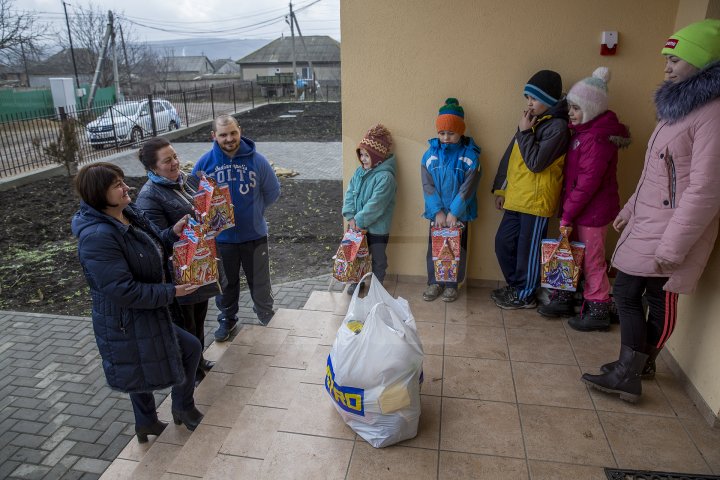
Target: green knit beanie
698,43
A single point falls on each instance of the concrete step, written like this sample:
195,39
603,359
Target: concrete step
264,396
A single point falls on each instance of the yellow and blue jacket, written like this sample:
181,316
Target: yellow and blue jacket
530,174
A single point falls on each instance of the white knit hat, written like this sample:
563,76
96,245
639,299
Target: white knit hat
591,94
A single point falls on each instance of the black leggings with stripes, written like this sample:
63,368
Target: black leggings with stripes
638,330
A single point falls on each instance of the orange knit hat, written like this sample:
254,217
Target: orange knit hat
451,117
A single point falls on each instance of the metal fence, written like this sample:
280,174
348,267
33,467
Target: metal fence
32,140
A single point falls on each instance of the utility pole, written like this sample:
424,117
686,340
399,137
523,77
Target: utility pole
27,74
307,55
116,75
294,70
72,50
127,64
96,77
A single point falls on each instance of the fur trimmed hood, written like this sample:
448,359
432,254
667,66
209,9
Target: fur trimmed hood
674,101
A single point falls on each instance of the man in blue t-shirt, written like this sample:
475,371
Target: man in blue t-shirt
253,187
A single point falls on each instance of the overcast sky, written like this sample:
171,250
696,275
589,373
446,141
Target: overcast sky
172,19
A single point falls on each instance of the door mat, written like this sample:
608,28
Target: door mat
620,474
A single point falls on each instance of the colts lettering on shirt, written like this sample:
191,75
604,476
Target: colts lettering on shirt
237,175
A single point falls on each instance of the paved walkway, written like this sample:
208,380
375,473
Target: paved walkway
58,419
313,160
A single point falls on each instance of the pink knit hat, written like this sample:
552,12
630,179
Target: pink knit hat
591,94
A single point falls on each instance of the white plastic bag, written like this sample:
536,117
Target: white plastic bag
374,369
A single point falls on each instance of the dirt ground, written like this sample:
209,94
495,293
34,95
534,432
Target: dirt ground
318,122
39,269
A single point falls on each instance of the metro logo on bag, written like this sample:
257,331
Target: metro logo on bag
561,262
352,259
446,252
349,399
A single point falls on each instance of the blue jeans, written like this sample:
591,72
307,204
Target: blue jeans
254,259
182,394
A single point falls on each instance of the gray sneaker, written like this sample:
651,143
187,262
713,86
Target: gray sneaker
432,292
450,294
500,294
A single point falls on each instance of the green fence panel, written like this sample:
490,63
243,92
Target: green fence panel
32,103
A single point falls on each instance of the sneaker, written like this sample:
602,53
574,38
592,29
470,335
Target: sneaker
501,293
450,294
513,302
226,328
432,292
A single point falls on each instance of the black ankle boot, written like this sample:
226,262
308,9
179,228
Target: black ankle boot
206,364
190,418
561,305
593,316
648,371
624,379
154,429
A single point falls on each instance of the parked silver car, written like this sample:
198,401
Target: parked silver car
129,122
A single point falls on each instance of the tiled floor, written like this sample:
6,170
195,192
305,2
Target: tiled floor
502,399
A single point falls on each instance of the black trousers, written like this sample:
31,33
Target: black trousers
637,330
377,244
194,319
254,260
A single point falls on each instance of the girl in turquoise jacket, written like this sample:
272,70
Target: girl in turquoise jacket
370,197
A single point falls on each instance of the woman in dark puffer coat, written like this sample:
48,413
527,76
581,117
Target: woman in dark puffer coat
165,198
124,261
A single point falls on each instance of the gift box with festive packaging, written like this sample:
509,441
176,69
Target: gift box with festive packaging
561,262
213,205
446,252
352,259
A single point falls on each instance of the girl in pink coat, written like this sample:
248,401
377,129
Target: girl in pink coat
590,199
669,225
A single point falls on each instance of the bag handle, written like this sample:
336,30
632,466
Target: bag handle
564,241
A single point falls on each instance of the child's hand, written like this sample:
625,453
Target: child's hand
451,220
440,219
352,225
619,223
527,121
499,202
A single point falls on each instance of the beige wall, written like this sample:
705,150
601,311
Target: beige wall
482,52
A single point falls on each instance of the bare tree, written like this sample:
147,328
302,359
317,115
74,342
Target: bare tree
19,35
88,25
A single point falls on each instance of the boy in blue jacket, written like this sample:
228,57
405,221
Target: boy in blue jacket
450,173
253,187
370,197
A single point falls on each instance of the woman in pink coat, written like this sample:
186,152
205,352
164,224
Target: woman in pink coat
670,223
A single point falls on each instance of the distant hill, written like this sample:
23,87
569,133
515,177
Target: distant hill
213,48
